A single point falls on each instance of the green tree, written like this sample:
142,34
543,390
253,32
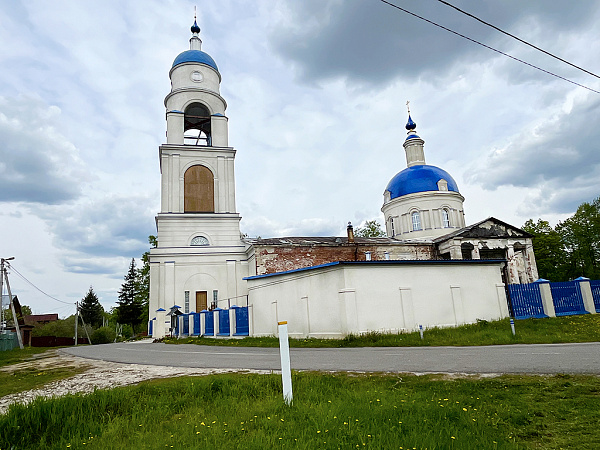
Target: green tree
8,317
62,328
550,254
142,281
92,311
129,309
371,228
580,235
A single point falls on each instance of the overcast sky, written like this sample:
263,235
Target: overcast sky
316,94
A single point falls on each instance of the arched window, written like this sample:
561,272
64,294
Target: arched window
199,241
196,125
199,190
392,229
416,221
445,218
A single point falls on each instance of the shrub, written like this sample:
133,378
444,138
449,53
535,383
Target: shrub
127,331
103,335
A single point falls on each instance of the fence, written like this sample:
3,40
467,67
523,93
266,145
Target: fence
543,299
218,322
8,340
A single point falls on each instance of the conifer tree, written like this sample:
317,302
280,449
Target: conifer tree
92,311
128,306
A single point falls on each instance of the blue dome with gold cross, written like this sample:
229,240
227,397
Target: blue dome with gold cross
419,178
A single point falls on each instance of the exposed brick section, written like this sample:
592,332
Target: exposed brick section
279,255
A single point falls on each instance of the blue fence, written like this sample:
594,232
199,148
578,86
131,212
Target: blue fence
595,285
223,318
209,323
526,300
567,298
242,326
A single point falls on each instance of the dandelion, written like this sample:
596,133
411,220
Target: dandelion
281,420
197,432
318,431
464,409
452,437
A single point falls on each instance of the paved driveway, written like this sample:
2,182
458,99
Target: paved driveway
551,358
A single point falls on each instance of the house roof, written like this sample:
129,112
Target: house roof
330,241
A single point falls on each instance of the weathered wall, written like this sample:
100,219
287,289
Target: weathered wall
281,258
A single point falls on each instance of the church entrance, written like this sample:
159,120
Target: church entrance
201,301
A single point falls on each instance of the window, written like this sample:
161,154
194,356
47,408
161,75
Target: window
199,190
215,296
199,241
196,125
416,221
186,303
445,218
392,227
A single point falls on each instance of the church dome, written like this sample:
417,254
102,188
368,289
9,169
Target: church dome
419,178
195,56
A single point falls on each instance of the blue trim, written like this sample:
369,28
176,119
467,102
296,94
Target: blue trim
398,262
160,309
195,56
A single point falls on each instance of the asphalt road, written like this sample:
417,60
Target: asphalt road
544,359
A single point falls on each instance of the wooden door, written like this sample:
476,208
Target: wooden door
201,303
199,190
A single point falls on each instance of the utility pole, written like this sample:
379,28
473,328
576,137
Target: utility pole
3,262
76,319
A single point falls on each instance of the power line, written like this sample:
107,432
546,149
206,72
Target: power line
487,46
47,295
517,38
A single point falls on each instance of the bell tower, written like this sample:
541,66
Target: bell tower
200,258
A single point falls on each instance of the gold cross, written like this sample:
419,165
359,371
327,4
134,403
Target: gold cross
408,106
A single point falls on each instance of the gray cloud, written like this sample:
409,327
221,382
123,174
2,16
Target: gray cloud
558,156
374,43
37,163
108,227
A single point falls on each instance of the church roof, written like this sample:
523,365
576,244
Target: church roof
323,240
419,178
195,56
487,228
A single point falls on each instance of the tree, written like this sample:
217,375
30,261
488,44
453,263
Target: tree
550,254
142,281
372,228
8,317
581,237
92,311
129,308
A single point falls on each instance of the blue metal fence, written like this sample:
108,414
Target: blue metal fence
595,285
209,323
223,319
567,298
526,300
186,324
242,327
196,330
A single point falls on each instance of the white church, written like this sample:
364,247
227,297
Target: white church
430,270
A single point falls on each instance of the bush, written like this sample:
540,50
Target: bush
103,335
127,331
61,328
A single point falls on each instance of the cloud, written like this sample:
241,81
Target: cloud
557,156
112,226
371,42
37,163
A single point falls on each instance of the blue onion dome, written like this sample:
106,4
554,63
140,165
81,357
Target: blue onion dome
195,56
195,28
410,125
419,178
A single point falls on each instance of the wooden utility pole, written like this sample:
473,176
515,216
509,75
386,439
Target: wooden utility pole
3,270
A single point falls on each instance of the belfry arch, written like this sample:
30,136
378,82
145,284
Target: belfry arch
199,190
196,125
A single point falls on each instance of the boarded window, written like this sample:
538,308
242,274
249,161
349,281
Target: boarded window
199,190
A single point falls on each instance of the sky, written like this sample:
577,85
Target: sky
316,93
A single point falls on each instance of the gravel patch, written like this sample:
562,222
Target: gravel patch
98,375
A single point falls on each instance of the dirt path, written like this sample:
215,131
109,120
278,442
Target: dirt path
97,375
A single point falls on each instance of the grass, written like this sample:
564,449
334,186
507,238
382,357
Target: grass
584,328
329,411
30,376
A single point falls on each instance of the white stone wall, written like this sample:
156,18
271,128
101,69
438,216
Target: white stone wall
349,298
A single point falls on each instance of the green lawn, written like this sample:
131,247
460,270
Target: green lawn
329,411
584,328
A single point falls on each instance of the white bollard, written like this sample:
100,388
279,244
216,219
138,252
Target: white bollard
286,371
421,331
512,326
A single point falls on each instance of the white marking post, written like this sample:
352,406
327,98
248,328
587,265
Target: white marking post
286,371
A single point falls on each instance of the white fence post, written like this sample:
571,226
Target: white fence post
286,371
